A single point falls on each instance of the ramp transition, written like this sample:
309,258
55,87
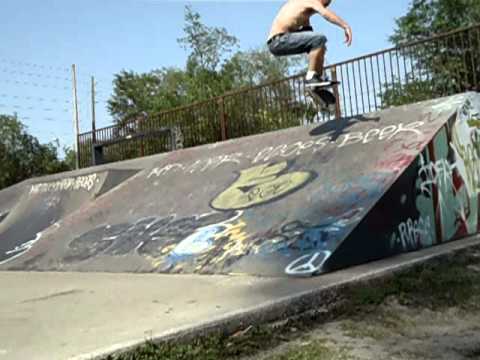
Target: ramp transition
299,202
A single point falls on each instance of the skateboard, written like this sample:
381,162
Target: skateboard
324,98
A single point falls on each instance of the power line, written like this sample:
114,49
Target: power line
34,84
30,108
99,79
33,65
32,74
38,99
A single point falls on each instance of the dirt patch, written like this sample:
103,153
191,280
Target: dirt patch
398,332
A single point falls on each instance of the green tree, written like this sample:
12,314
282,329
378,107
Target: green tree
426,18
257,66
207,46
441,67
139,96
70,158
21,154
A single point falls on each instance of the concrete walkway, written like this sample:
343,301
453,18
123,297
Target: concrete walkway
81,315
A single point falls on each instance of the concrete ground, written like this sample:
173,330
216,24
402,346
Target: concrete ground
82,315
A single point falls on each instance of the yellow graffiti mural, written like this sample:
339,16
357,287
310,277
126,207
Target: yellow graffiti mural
236,245
260,184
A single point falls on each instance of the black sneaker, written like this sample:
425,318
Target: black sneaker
318,81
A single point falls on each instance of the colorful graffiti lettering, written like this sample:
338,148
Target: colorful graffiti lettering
152,236
167,242
302,236
465,144
203,239
448,176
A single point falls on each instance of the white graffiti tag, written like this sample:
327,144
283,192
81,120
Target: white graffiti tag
308,264
438,173
413,234
78,183
387,133
198,166
292,149
289,150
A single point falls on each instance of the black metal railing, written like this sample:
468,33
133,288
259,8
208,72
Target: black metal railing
437,66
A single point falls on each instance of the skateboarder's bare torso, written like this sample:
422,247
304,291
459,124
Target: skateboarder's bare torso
294,14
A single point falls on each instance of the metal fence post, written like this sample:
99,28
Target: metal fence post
94,126
76,145
338,112
222,117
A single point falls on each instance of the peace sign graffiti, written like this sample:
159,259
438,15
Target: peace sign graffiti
309,264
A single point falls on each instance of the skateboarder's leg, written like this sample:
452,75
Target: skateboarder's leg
316,59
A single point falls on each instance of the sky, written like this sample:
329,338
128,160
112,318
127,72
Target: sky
41,39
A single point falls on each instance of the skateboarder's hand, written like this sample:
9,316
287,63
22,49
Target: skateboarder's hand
348,35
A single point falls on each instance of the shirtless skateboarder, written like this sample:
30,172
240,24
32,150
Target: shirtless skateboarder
292,34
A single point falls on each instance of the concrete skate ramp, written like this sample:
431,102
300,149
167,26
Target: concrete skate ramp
300,201
33,207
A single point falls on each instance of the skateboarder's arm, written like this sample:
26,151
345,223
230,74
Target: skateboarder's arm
330,16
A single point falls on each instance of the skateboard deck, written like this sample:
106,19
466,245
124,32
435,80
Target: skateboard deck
324,98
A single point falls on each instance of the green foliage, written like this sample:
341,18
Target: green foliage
140,95
259,66
207,45
426,18
440,67
22,156
70,158
408,93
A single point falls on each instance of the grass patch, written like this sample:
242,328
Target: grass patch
360,330
212,347
434,286
317,350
